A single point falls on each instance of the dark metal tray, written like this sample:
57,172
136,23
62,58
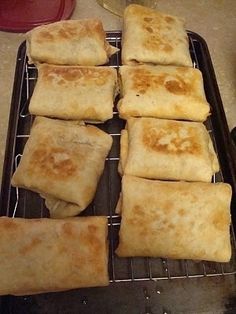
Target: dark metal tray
131,278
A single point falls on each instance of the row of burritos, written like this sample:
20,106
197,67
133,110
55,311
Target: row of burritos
168,205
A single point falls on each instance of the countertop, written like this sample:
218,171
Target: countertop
215,21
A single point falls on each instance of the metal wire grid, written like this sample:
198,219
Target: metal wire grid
128,269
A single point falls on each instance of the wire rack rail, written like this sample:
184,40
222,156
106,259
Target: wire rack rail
28,204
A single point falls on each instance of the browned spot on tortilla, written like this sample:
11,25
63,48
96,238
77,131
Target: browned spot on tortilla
67,229
143,80
168,207
153,139
44,36
169,19
170,226
167,48
165,221
53,162
67,32
178,87
90,112
71,30
92,228
138,210
181,212
148,19
144,232
62,74
149,29
220,219
8,224
29,247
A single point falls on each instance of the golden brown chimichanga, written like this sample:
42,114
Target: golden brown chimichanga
46,255
71,42
167,92
180,220
74,92
167,149
63,160
150,36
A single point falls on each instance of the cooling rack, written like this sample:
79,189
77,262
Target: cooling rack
21,203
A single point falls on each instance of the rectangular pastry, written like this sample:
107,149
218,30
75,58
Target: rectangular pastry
179,220
74,92
46,255
150,36
71,42
167,92
168,150
64,160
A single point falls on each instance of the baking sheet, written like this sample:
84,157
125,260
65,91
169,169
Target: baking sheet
16,202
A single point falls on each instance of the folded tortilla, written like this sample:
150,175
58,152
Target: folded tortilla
64,160
59,208
71,42
167,92
74,92
179,220
123,151
45,255
150,36
167,149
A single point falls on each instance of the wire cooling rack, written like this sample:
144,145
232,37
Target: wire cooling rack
23,203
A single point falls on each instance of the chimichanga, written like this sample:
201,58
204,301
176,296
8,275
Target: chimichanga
150,36
63,160
74,92
179,220
167,92
168,150
71,42
46,255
